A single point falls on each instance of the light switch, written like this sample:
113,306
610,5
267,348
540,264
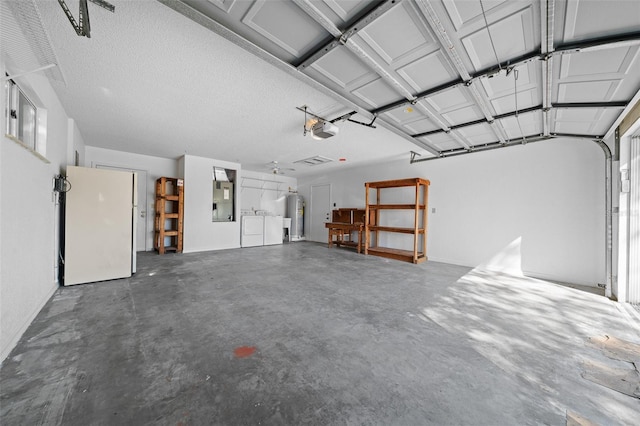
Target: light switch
624,181
433,210
626,186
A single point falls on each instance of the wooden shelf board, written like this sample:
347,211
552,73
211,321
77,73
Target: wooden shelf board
394,229
171,197
397,183
395,206
170,233
397,254
346,243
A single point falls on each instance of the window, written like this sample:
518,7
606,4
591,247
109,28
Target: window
224,205
220,173
21,116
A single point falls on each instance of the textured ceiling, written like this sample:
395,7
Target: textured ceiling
223,78
153,82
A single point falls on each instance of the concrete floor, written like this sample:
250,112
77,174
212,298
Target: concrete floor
339,338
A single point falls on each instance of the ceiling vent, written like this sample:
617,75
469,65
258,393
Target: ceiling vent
314,161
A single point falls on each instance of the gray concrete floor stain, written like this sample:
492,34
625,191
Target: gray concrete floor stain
339,338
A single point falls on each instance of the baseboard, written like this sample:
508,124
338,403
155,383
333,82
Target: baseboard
4,353
555,278
203,249
530,274
449,261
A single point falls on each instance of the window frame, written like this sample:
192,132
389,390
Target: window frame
17,102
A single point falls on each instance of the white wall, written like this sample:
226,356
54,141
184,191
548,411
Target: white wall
265,191
75,144
550,195
29,211
200,233
198,193
154,166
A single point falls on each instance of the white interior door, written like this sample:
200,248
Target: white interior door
141,223
320,212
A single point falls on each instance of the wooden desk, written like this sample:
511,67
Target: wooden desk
344,222
341,230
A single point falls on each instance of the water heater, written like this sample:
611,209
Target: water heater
295,210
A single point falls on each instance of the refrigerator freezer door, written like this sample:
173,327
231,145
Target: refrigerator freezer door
98,225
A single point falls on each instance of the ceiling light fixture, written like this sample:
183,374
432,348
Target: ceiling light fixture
276,169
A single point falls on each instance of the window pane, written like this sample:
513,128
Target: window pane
26,121
7,107
223,195
219,173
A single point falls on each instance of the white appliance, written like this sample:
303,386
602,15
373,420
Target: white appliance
100,222
273,230
252,231
295,210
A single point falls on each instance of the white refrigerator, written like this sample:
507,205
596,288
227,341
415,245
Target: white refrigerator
99,225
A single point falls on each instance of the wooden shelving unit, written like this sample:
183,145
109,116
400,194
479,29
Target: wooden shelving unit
169,214
418,208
